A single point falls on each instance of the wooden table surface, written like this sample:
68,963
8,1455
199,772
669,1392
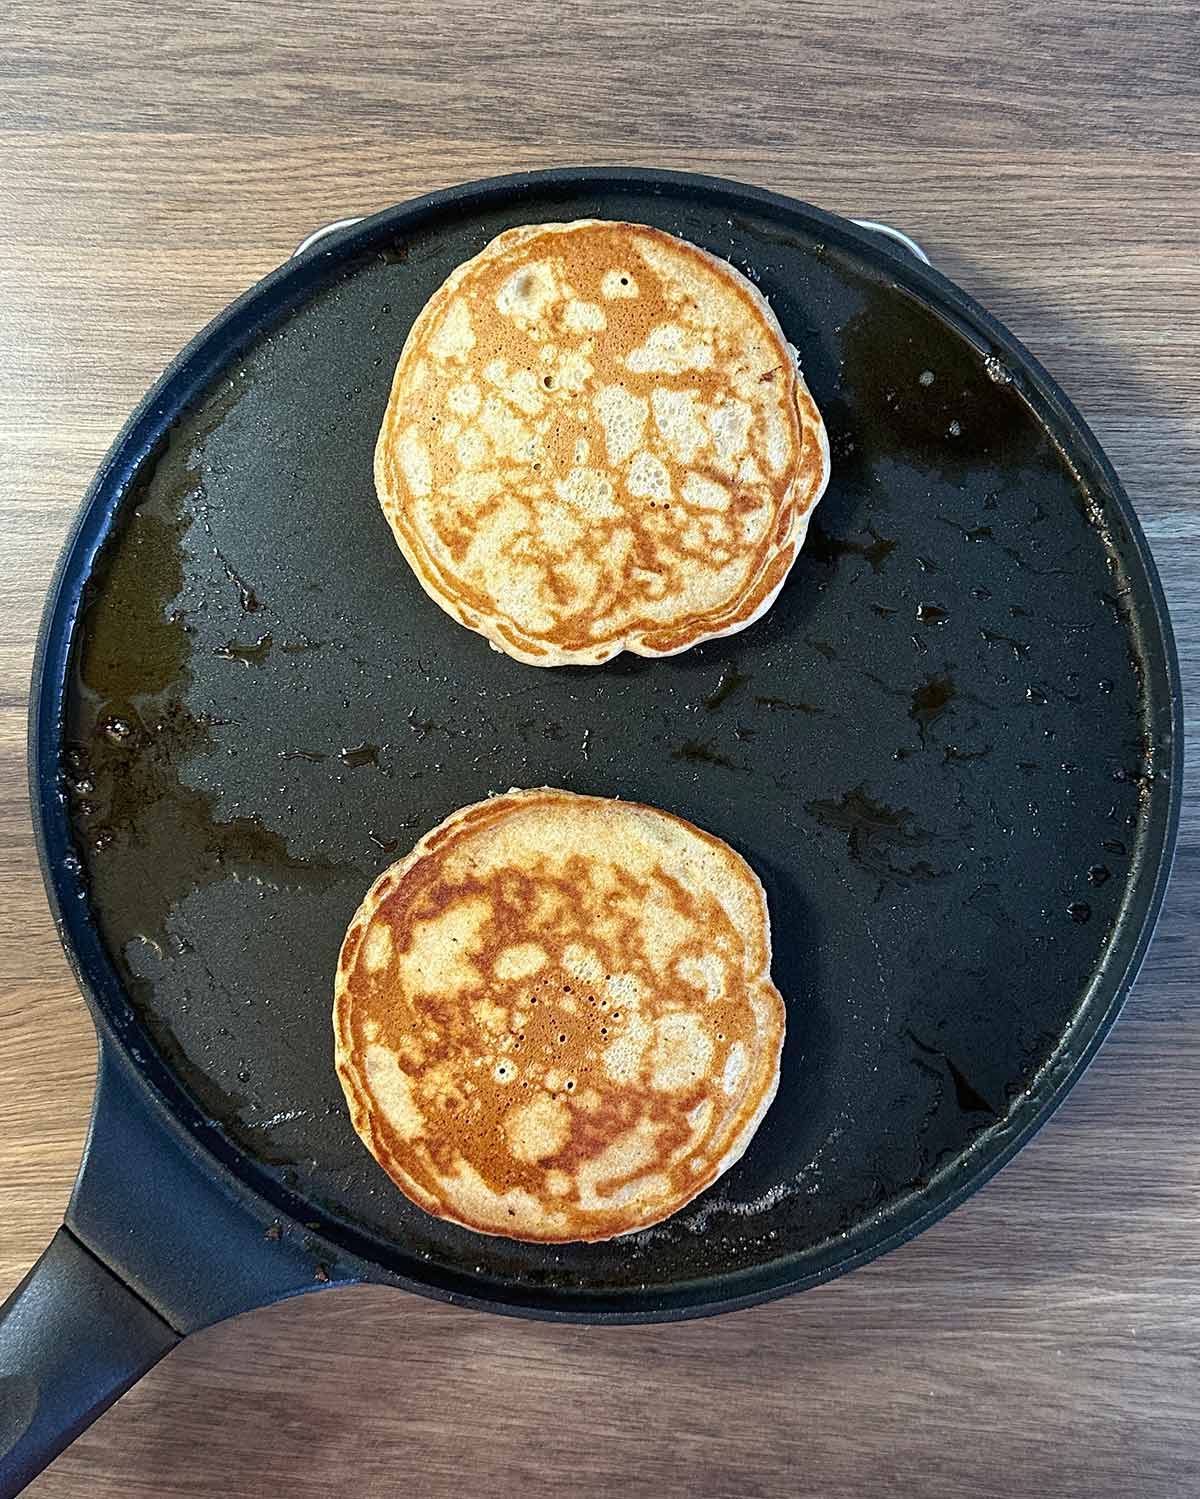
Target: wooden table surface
155,159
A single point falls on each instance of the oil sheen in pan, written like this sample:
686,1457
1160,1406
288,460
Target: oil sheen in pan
934,750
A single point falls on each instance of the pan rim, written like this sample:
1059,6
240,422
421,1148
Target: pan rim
189,375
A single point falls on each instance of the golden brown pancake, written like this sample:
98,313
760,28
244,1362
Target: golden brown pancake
597,440
555,1019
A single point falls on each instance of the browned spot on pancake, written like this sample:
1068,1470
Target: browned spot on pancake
558,1022
575,464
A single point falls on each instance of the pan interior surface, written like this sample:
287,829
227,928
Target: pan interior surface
941,750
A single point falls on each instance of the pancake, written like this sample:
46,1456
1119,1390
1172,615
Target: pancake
598,439
554,1019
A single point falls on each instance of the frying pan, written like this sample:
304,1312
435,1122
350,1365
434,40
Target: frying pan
951,751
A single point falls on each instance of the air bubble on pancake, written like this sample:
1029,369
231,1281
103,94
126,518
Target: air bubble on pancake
617,284
622,1057
622,988
735,1067
623,417
414,463
669,349
538,1129
391,1092
591,491
505,1071
680,422
704,492
648,478
584,317
582,964
455,337
378,947
682,1052
519,961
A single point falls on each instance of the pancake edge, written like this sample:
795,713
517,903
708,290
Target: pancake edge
358,1103
637,642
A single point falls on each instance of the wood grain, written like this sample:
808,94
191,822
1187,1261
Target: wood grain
157,159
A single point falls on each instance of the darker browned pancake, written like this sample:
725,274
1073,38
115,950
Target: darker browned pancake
554,1019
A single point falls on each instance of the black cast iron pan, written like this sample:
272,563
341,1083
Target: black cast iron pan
950,750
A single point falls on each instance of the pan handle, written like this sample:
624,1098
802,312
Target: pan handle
157,1244
73,1338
